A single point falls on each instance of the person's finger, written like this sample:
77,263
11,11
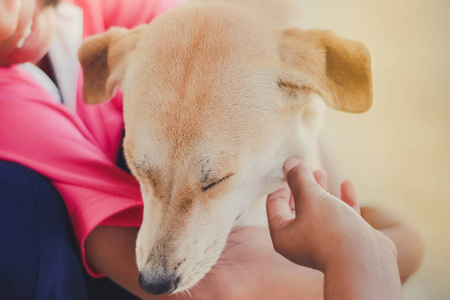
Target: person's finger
284,192
321,178
278,209
348,195
300,178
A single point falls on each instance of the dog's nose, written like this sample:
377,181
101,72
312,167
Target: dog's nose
164,284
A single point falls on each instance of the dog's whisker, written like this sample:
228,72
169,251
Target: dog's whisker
219,266
228,247
239,229
226,236
187,291
219,262
205,261
220,251
216,241
200,273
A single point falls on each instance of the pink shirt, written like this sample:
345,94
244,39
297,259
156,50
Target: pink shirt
76,151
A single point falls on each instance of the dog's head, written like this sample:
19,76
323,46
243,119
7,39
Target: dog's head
213,105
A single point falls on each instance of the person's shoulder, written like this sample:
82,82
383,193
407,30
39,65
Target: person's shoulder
99,15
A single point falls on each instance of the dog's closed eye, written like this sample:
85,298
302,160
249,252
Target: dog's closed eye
210,186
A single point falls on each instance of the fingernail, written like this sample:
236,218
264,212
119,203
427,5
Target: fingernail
290,163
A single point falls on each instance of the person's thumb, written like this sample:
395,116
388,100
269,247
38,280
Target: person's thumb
300,178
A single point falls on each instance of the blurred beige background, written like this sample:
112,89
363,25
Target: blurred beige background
398,153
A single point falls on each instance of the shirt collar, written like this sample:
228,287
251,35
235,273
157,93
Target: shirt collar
63,51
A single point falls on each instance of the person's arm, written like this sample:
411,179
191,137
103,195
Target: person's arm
366,272
407,240
46,137
409,244
326,234
248,269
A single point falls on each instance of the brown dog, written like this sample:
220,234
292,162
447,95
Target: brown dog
217,95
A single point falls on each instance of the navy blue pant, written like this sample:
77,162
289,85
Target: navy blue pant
38,259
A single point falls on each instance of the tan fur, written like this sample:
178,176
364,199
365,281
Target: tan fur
218,94
338,69
103,57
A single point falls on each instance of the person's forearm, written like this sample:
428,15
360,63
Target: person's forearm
408,242
249,268
111,250
366,275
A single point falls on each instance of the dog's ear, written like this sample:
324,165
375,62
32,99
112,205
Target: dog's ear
102,58
338,69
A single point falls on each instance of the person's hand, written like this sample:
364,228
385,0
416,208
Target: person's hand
26,29
9,16
311,227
